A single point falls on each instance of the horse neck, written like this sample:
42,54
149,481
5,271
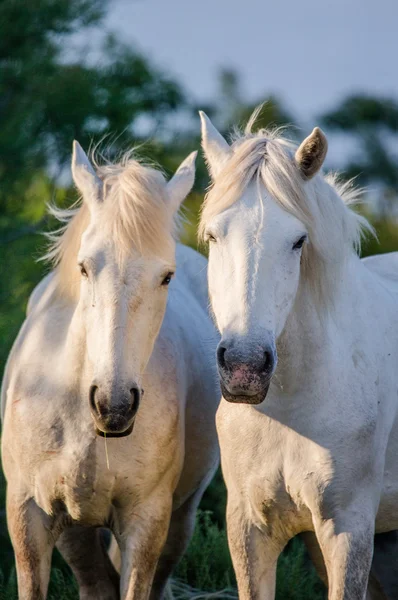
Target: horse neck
309,338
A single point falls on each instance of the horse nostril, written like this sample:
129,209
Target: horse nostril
92,392
221,356
135,396
268,361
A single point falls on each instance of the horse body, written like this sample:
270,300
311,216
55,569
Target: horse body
386,269
308,425
64,480
69,465
312,451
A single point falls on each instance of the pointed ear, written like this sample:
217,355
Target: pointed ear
86,180
311,153
215,147
182,181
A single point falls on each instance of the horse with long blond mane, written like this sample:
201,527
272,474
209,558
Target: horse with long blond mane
82,446
308,426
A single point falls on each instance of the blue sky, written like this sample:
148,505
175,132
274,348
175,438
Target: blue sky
309,52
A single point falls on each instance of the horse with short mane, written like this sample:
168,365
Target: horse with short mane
83,447
308,424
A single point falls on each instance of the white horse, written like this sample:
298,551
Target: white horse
76,377
308,426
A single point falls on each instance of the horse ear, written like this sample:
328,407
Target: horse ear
311,153
215,147
86,180
182,181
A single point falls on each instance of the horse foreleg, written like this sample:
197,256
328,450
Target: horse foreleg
254,555
383,579
141,540
85,552
347,548
33,543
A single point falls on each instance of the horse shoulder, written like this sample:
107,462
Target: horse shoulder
40,292
45,326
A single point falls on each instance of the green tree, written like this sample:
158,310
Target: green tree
47,99
31,37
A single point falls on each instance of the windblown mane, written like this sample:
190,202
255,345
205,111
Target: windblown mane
135,211
322,204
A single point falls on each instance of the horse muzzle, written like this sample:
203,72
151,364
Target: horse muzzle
245,368
244,396
114,416
108,434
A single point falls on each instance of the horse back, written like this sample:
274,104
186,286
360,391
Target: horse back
386,267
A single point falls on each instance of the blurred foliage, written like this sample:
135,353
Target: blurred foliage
47,98
372,123
31,40
207,564
52,92
386,240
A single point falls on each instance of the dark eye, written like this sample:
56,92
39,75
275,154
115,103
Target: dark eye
83,270
167,278
299,243
210,238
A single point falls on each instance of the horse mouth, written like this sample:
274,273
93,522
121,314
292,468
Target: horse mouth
115,434
243,397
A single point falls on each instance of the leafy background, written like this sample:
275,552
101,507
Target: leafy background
46,100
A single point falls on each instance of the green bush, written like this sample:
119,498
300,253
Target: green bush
296,577
207,563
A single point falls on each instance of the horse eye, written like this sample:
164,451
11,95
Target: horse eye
210,238
168,278
299,243
83,270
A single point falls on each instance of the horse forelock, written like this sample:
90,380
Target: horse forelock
135,212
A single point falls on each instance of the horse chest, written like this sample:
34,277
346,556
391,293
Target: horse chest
281,491
278,474
86,476
67,473
74,472
74,482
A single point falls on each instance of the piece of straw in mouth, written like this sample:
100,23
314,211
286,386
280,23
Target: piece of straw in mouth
106,452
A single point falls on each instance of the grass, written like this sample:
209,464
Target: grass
207,564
